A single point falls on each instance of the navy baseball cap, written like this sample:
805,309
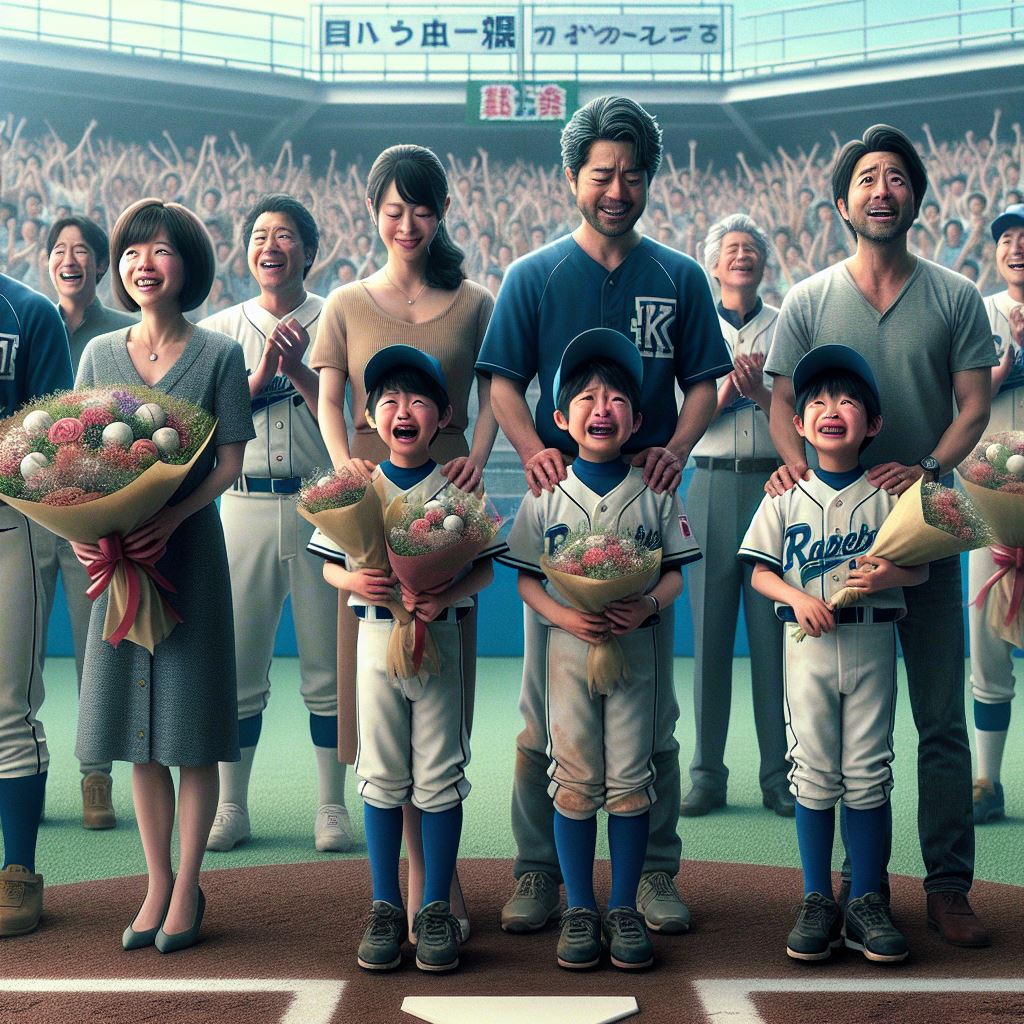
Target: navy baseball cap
599,343
824,358
395,357
1011,217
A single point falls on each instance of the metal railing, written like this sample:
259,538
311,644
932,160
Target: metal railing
799,36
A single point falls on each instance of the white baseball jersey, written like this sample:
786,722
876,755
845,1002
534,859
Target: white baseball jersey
602,748
413,737
1008,405
841,686
265,536
740,431
992,679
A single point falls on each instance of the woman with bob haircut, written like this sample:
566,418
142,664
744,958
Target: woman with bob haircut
176,707
419,297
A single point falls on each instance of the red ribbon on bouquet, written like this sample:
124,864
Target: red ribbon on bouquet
1007,560
101,571
419,642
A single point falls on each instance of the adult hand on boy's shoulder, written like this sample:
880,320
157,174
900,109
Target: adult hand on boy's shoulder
544,470
813,614
663,469
785,478
894,477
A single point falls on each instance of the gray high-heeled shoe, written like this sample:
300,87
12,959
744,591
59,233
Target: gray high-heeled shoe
135,939
182,940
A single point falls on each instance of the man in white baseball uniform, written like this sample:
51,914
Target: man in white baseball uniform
734,459
265,536
992,657
78,259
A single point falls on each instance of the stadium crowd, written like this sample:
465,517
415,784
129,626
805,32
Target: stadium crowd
500,211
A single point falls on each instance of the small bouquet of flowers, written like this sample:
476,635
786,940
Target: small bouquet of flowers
93,465
928,522
993,475
350,511
429,543
592,569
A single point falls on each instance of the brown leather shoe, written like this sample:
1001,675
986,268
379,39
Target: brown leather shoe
97,805
21,900
951,915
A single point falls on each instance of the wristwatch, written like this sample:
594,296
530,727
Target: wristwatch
930,464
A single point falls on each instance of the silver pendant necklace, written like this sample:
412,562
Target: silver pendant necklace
404,294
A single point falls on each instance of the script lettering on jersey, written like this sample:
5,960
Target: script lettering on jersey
652,326
554,538
815,558
8,352
650,539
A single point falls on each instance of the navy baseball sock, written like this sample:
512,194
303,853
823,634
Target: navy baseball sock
815,831
21,807
576,842
323,730
992,717
249,730
441,831
627,843
870,834
383,826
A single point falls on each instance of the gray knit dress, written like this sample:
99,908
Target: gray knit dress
177,706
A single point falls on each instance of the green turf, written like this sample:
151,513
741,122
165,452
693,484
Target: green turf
283,796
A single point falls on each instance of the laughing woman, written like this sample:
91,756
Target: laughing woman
178,706
420,297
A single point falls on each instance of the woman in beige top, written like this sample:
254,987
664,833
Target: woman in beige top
419,297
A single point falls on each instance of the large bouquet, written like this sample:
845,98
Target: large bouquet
93,465
927,523
993,475
590,570
429,543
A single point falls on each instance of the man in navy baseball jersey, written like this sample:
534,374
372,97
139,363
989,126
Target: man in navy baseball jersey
34,360
605,274
924,332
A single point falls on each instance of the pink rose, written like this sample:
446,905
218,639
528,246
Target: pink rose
144,447
419,526
66,430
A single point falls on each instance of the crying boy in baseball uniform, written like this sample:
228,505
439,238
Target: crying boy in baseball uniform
840,679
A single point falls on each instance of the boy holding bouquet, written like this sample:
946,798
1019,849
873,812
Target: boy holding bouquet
413,736
841,686
600,745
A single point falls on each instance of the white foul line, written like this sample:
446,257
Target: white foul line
314,1002
728,999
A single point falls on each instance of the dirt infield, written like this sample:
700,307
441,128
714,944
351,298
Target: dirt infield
272,934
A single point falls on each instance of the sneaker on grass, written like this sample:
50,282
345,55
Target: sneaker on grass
629,945
989,804
381,946
534,903
437,937
332,832
869,928
818,929
230,828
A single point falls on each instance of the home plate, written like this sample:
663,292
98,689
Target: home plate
520,1009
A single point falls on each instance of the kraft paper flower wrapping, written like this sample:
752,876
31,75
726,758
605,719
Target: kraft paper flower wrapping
993,475
429,544
619,568
928,522
94,475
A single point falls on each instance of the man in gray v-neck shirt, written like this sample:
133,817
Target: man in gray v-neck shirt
924,331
